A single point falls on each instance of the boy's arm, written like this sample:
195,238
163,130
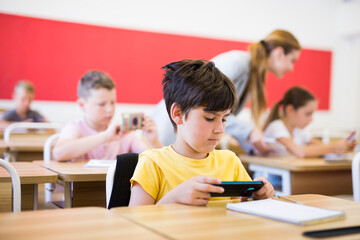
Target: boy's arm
67,149
74,147
195,191
139,196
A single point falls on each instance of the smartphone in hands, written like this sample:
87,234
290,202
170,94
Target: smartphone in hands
132,121
238,189
352,136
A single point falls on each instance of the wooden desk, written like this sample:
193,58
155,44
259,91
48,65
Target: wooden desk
3,148
305,175
190,222
30,176
27,146
76,223
82,186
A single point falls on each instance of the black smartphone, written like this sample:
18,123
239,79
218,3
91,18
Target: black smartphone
332,232
237,189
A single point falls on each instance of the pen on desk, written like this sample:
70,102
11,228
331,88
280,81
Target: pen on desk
290,200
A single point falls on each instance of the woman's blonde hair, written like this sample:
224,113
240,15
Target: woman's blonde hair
259,52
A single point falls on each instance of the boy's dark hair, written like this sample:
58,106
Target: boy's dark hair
94,80
197,83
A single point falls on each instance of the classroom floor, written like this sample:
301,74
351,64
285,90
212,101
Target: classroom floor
57,197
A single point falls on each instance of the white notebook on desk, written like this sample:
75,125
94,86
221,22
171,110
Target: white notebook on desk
287,212
99,163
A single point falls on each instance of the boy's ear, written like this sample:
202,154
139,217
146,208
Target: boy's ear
81,103
176,114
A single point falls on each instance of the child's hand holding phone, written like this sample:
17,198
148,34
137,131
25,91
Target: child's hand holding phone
150,131
267,191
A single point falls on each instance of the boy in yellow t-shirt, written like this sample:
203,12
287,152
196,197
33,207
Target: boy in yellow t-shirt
198,99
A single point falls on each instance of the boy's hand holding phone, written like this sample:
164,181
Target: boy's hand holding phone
113,132
150,131
195,191
266,191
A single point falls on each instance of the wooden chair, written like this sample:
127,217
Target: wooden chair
15,130
49,187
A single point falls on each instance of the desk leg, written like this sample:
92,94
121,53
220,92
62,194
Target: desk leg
286,180
67,193
35,197
10,156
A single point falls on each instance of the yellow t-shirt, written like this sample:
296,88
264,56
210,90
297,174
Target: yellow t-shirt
160,170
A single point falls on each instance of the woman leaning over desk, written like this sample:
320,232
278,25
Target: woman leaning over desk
276,53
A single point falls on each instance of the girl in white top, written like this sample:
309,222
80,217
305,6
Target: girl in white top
287,127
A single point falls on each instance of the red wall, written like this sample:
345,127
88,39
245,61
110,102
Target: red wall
54,55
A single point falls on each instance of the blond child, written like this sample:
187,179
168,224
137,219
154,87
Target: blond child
94,136
23,96
198,100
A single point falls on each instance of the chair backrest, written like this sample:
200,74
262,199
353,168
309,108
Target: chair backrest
49,187
48,145
15,179
28,125
356,177
118,180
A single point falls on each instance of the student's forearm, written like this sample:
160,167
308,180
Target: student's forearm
318,149
167,199
313,150
75,148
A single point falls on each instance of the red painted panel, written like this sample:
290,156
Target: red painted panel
54,55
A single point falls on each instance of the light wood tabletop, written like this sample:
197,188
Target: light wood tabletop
74,171
76,223
191,222
304,175
30,176
83,186
29,173
296,164
27,146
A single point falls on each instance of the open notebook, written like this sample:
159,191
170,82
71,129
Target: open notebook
287,212
99,163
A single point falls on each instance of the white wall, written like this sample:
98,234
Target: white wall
323,24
